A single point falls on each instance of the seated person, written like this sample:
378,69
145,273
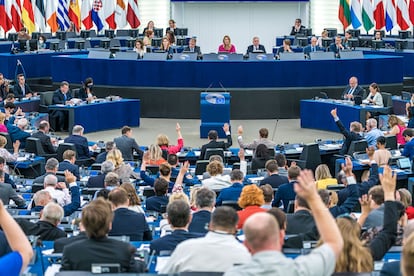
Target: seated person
352,90
263,139
63,97
85,92
57,190
262,156
409,145
377,36
324,34
21,88
80,142
286,192
127,222
3,127
298,28
397,127
127,144
140,48
192,46
323,177
101,157
274,178
227,47
18,133
7,193
381,155
98,248
68,163
213,143
99,180
41,43
285,47
217,180
45,139
124,170
4,87
233,192
313,47
160,200
374,96
256,47
337,46
205,200
164,143
346,43
164,173
166,46
353,134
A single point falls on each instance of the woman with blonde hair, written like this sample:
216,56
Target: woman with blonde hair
124,171
164,143
134,200
227,46
154,156
323,177
217,180
397,128
250,200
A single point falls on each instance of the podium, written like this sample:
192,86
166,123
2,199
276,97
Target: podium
214,112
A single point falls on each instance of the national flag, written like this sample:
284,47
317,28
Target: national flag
95,12
379,14
51,16
86,14
5,21
14,10
108,13
390,15
411,11
75,14
40,13
132,13
356,14
120,14
367,15
403,19
62,15
28,16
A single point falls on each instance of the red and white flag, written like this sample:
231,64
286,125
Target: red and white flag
107,13
120,14
403,19
132,14
411,11
14,10
379,14
86,16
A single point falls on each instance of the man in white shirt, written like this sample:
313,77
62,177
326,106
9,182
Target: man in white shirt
216,252
62,197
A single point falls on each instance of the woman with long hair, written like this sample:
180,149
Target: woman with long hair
164,143
227,46
134,200
323,177
124,171
397,128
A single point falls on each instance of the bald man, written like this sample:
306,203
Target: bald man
264,240
352,90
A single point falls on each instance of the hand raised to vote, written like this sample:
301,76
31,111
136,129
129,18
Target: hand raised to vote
334,113
240,130
226,127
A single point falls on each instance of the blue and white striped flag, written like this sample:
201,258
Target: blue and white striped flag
62,15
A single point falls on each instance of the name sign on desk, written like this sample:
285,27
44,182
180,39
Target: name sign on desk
215,98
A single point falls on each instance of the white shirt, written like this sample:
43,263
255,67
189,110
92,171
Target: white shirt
62,197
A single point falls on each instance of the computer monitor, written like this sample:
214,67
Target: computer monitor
181,41
23,45
80,44
405,95
104,43
12,37
130,43
353,43
377,44
308,32
33,44
302,41
54,45
404,34
110,33
71,35
326,42
158,32
181,31
35,35
365,41
355,32
61,35
400,44
122,32
133,32
156,42
332,32
85,34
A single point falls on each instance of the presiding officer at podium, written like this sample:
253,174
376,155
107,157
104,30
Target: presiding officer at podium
256,47
352,90
61,96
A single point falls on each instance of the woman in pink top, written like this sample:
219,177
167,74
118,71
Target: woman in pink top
3,128
164,143
397,127
227,46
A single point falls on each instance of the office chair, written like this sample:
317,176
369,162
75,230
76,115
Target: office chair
357,146
213,151
62,148
96,167
152,169
201,167
33,145
310,157
46,99
232,204
387,101
291,207
391,142
9,144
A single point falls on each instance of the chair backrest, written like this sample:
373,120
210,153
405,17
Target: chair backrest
33,145
291,207
357,146
311,155
214,151
62,148
153,169
201,167
231,203
115,43
386,99
96,166
271,152
391,142
75,93
148,192
9,144
46,98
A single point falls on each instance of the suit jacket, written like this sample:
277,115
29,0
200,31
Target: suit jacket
391,269
349,137
300,223
200,222
59,97
154,203
100,158
258,163
82,254
40,179
275,180
66,165
196,50
169,242
251,49
127,145
333,48
17,134
18,92
81,144
308,49
7,193
216,144
285,193
82,94
96,181
59,244
44,229
359,91
231,193
129,223
45,141
294,32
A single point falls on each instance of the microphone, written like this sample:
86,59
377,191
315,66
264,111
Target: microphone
225,90
274,129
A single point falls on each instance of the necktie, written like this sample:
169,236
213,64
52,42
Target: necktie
313,49
23,90
64,96
351,91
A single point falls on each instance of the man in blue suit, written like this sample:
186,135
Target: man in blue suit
233,192
179,217
205,200
256,47
337,46
408,135
313,47
68,163
286,192
62,97
80,142
17,133
99,180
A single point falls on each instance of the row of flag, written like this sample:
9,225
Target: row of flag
54,15
378,13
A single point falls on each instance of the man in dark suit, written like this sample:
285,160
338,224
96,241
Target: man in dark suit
127,145
7,192
51,167
213,143
127,222
68,163
353,89
298,28
61,96
179,217
286,192
192,47
160,200
256,47
18,133
313,47
274,179
21,89
59,244
337,46
44,138
80,142
99,180
98,248
46,228
101,157
205,201
353,135
233,192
